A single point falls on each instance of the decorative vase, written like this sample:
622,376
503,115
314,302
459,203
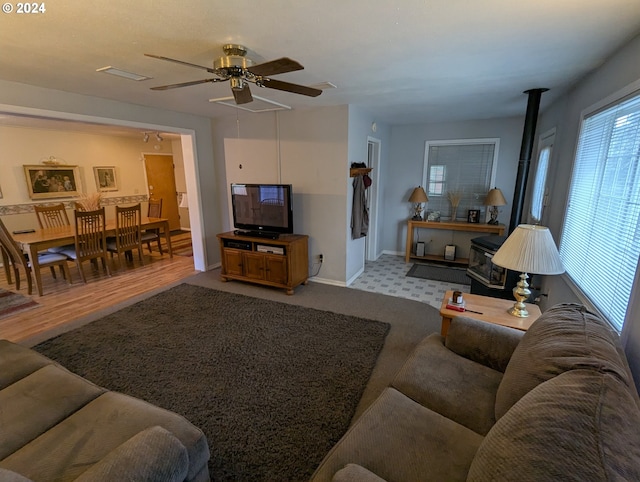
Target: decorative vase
454,210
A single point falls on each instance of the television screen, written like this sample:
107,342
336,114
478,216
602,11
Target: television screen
262,207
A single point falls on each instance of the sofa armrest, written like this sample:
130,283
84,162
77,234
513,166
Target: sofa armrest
485,343
153,454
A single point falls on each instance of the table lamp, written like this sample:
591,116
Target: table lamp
529,249
418,196
494,199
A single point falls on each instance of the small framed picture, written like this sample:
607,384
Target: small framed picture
433,216
50,182
473,216
105,178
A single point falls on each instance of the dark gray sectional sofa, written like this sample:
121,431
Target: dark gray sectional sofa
55,425
488,403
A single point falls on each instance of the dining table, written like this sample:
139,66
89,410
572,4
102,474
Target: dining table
33,241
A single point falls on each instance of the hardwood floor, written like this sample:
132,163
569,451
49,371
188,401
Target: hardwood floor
63,303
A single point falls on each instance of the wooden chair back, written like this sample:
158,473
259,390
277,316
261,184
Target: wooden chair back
91,240
15,257
51,216
155,208
128,232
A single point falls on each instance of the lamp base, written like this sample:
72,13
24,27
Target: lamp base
521,293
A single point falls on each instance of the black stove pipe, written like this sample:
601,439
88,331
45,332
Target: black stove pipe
528,139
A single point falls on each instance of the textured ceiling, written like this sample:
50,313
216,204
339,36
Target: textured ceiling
405,61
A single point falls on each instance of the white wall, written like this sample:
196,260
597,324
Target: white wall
619,71
26,99
404,169
311,154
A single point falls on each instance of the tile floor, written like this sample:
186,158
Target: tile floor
387,275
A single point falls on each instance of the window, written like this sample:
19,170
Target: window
436,181
539,192
600,243
465,167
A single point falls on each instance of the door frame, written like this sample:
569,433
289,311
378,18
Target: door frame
374,147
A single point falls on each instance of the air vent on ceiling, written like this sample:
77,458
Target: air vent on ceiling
259,104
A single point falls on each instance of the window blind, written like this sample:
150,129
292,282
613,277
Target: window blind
600,243
462,168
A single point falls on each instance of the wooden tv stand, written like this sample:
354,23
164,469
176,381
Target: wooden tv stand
281,263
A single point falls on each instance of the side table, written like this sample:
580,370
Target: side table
492,310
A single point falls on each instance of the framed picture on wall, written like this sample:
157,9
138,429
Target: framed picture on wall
473,216
105,178
50,182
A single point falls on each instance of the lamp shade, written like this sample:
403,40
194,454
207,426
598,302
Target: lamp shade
418,196
495,198
530,249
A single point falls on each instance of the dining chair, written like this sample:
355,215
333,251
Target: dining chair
52,216
90,240
154,211
6,264
17,258
128,233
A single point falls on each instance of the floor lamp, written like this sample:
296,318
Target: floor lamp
529,249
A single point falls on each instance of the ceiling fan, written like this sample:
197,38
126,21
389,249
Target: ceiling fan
240,71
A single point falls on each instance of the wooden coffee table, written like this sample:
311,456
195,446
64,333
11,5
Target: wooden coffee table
492,310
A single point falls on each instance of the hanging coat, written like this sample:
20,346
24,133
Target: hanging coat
360,211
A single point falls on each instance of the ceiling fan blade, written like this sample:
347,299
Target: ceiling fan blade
242,96
278,66
186,84
288,87
188,64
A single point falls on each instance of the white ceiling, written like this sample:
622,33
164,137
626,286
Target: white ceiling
405,61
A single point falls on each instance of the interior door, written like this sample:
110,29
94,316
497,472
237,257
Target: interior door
161,182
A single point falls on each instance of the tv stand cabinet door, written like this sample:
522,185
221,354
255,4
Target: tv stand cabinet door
233,262
277,270
255,266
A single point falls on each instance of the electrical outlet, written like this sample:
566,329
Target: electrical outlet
321,258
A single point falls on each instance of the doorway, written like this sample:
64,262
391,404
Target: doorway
161,183
373,161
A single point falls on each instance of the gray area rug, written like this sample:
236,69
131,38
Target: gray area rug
272,385
440,273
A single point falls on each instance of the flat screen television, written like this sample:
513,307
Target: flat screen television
262,209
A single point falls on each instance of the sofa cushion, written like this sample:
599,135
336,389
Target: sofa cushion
565,337
581,425
399,439
17,362
449,384
11,476
355,473
151,455
38,402
87,436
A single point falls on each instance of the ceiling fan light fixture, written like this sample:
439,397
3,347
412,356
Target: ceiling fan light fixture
237,83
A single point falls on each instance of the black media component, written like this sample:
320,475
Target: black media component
262,210
229,243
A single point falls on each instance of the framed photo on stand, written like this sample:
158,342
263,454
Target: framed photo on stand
473,216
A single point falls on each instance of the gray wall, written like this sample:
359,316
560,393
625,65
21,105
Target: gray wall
618,72
404,168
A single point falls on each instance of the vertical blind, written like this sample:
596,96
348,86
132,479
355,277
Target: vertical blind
462,168
600,243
